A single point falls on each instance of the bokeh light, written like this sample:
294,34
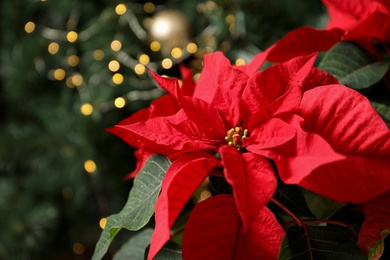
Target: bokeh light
113,65
29,27
119,102
240,62
90,166
116,45
139,69
59,74
176,53
120,9
77,80
72,36
144,59
53,48
167,63
155,46
102,223
117,78
86,109
192,47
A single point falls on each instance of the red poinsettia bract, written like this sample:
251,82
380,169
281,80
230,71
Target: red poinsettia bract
162,106
376,226
213,232
359,19
321,135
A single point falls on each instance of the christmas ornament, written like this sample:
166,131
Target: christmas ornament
171,29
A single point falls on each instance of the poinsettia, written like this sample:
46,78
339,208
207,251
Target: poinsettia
326,138
162,106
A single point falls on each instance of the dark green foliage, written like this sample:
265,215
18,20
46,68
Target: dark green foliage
320,242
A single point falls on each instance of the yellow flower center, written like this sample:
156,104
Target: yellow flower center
235,135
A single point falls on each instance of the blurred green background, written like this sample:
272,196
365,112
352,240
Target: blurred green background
70,69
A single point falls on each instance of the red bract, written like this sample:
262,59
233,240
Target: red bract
213,232
182,179
163,106
376,226
360,19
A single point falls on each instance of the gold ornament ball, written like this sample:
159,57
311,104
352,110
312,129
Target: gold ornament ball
171,29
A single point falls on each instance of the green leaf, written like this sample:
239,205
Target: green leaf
170,250
134,248
139,207
322,207
353,66
383,110
319,242
291,197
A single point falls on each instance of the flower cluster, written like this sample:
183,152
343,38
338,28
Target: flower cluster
291,123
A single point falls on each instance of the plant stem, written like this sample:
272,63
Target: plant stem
288,212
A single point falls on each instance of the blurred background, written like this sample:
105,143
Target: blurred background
71,68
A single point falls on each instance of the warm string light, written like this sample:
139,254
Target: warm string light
117,78
240,62
167,63
29,27
59,74
139,69
77,80
90,166
155,46
176,52
53,48
116,45
114,65
86,109
102,223
72,36
119,102
144,59
120,9
192,48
